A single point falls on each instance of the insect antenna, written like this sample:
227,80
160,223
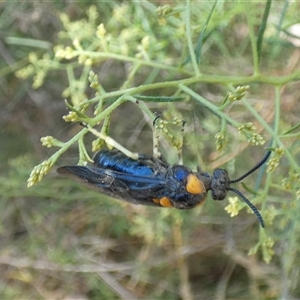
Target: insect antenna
266,157
252,206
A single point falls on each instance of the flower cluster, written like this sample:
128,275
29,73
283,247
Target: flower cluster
38,172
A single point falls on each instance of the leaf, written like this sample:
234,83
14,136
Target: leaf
159,98
203,35
292,129
71,108
262,28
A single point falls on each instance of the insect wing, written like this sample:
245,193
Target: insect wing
129,187
92,176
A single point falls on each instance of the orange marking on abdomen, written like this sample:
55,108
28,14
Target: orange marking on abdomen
164,201
194,185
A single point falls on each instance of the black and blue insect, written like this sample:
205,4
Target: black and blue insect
152,181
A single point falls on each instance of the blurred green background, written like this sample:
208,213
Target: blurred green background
61,240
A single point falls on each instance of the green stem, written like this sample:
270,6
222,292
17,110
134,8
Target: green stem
189,37
262,29
84,130
113,56
214,79
277,110
252,35
209,105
